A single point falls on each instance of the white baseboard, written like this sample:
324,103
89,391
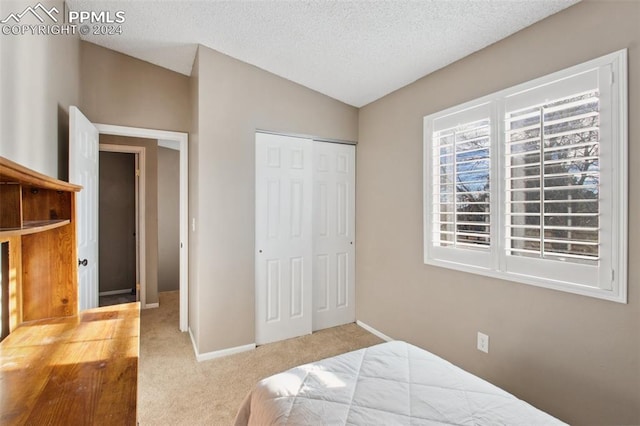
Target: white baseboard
225,352
374,331
217,354
151,305
113,292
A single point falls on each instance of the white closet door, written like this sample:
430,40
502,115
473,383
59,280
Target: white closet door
283,237
333,235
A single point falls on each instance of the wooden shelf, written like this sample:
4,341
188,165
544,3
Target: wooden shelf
31,227
15,173
37,222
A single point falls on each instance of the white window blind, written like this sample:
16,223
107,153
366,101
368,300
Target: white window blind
529,184
552,169
462,167
460,185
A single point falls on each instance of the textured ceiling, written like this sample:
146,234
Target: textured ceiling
354,51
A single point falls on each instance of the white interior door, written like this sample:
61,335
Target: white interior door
333,234
283,237
83,170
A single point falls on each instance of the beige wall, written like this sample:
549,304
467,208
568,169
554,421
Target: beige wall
235,99
117,212
151,208
39,80
119,89
168,219
574,356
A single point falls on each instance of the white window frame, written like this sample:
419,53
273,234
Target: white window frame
607,280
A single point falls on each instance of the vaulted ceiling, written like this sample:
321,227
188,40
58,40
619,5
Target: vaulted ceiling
354,51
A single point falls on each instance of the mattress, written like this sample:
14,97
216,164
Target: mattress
393,383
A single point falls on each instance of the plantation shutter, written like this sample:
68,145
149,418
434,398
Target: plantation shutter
529,184
552,162
461,183
553,179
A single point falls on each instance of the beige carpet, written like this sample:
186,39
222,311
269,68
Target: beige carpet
175,389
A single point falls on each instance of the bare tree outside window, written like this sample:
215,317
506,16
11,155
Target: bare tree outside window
463,159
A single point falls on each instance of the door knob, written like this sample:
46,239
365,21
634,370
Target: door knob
82,262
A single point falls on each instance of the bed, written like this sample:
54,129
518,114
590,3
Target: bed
387,384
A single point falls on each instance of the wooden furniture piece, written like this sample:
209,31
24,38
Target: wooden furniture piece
37,219
77,370
57,366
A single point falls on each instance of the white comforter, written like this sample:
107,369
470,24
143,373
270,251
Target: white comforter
387,384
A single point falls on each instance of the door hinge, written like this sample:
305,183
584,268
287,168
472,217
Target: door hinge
138,172
137,286
611,78
613,275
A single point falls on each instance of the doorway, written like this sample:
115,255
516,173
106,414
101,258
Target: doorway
83,169
179,142
122,224
117,234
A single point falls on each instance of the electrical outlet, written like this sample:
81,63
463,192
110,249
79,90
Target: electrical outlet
483,342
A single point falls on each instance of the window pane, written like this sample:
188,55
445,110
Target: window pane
462,161
554,214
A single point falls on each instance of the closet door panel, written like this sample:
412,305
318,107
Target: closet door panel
283,237
333,234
